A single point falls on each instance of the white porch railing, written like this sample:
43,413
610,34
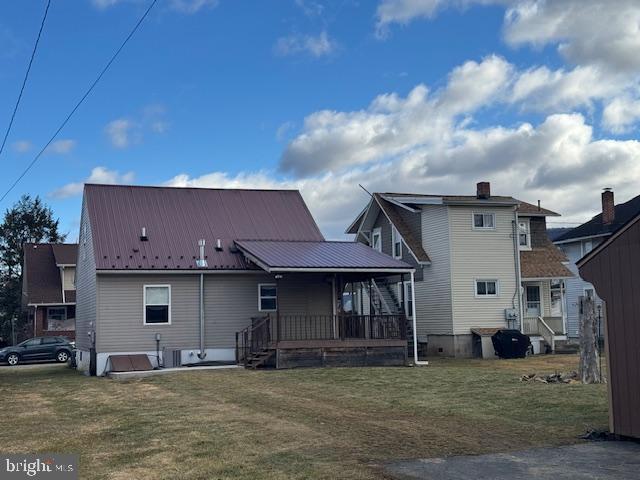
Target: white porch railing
539,326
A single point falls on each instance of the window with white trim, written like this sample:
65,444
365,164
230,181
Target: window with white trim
587,246
486,288
524,234
376,239
484,221
396,242
267,297
157,304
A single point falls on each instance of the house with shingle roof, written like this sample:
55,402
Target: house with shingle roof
483,262
48,288
581,240
187,276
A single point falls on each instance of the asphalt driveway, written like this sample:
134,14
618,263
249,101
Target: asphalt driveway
594,460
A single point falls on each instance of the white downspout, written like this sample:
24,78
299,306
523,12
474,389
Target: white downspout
415,329
202,353
334,323
516,246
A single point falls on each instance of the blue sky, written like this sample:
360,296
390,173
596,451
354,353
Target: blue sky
399,95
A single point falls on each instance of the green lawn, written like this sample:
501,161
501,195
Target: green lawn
306,423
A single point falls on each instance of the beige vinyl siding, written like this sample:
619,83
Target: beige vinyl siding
231,300
481,254
433,293
85,284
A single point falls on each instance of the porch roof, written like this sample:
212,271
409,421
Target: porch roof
320,256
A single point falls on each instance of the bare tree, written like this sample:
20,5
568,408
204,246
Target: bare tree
589,370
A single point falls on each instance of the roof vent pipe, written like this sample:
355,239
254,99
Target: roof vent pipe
143,235
219,245
201,262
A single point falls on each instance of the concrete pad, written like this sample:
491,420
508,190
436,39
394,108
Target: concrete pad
594,460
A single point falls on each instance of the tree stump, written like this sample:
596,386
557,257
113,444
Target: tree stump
588,370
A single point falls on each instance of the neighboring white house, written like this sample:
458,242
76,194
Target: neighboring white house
483,262
579,241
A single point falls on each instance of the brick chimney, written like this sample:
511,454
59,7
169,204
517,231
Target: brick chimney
608,207
483,190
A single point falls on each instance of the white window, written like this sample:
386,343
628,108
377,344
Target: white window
587,246
407,298
267,297
376,239
396,242
484,221
157,304
486,288
524,234
557,307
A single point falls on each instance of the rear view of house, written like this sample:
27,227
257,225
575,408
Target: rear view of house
191,275
48,288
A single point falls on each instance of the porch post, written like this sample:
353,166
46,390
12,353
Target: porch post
334,326
562,309
415,328
402,295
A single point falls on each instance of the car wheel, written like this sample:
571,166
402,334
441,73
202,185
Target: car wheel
13,359
62,356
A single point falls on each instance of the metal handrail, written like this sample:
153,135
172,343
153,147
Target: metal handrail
551,340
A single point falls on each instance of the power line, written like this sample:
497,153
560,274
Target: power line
81,101
26,76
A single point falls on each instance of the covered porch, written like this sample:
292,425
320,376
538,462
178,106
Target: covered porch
343,318
544,309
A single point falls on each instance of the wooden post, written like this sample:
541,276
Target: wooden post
588,369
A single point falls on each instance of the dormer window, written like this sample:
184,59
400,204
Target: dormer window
524,234
376,239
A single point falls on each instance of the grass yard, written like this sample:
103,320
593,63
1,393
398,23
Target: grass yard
307,423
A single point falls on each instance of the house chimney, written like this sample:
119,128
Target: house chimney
143,235
483,190
608,207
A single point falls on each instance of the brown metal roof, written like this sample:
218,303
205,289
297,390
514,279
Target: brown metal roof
65,253
42,275
176,218
323,256
525,208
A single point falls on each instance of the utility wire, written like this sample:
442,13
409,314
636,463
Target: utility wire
26,76
81,101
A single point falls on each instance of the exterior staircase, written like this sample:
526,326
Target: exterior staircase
385,301
259,358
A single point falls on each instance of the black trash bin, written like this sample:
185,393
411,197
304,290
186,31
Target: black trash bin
510,344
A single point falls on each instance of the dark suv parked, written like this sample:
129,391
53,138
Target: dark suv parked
38,348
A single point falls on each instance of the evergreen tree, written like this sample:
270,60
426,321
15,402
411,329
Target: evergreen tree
29,220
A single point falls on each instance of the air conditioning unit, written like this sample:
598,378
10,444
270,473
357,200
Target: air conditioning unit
172,358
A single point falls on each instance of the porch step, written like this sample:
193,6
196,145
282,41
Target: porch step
258,359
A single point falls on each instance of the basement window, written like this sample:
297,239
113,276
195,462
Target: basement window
157,304
267,297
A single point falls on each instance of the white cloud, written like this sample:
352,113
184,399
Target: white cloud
22,146
62,147
98,175
317,46
283,130
393,125
621,114
586,31
121,133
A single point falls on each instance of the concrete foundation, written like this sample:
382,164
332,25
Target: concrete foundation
459,346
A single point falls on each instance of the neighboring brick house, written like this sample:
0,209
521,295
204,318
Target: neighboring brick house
48,288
